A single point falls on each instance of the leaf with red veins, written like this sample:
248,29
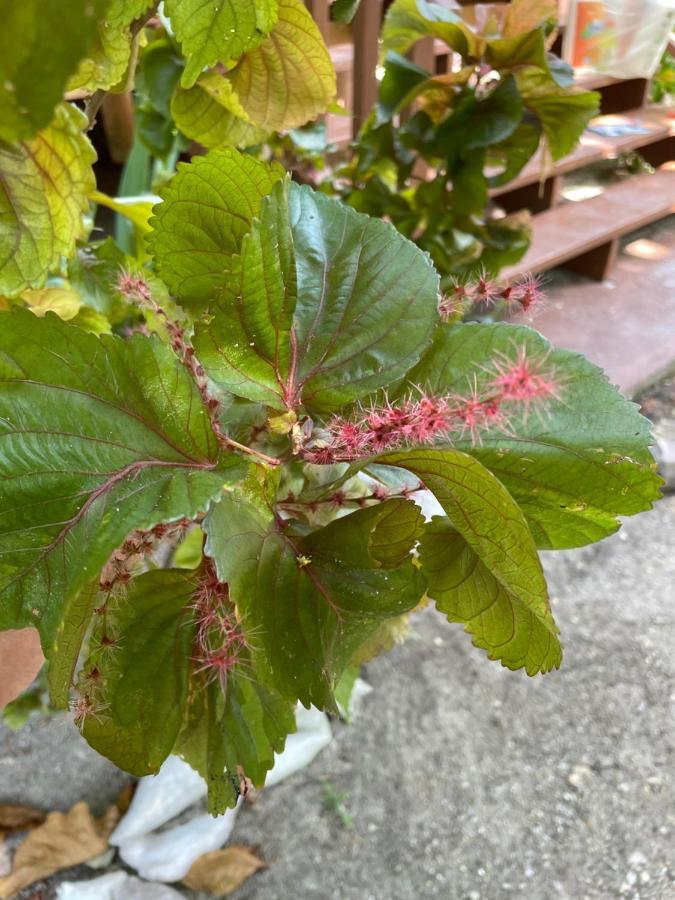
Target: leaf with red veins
323,306
98,437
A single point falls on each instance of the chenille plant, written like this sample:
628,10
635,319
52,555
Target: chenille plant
209,466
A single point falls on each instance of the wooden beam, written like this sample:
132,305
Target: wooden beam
320,12
366,30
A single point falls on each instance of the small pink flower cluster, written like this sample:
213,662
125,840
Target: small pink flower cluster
133,287
525,294
220,638
513,386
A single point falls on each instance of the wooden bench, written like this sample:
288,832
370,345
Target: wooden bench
584,236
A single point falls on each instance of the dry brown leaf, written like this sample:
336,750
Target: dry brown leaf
64,840
14,817
222,871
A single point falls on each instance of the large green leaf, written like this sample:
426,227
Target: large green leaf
497,536
98,436
401,82
323,306
408,21
207,208
218,30
210,113
45,183
563,112
136,688
518,633
289,79
575,466
514,152
108,60
479,122
311,601
241,728
37,54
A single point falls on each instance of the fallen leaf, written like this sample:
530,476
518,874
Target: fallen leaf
222,871
64,840
19,818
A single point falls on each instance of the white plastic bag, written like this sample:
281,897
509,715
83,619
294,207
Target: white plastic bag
621,38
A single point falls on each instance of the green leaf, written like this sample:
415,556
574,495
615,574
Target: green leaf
496,533
344,10
111,54
323,306
401,83
519,633
408,21
573,468
137,688
208,208
37,54
528,49
289,79
469,185
514,152
99,436
210,113
476,123
311,601
45,182
93,273
218,30
241,728
564,113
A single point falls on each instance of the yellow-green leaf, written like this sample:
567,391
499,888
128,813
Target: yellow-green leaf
210,113
111,53
64,301
289,79
37,56
212,31
46,182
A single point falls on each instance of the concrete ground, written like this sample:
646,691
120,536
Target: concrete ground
466,781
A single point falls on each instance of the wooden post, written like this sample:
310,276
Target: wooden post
366,30
423,54
596,263
320,13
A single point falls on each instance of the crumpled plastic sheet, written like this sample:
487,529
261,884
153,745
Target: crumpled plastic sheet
168,855
115,886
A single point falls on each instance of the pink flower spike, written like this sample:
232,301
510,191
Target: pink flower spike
133,287
524,381
485,291
528,293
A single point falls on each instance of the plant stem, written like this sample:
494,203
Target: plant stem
270,460
94,103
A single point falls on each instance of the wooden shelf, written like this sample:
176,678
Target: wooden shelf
593,147
584,236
